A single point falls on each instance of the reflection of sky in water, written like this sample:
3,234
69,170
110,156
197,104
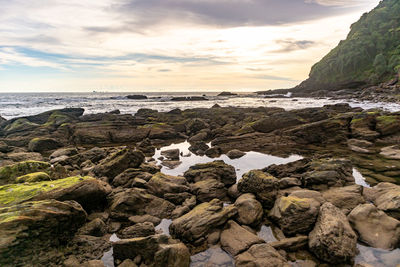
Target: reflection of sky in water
359,178
108,258
378,257
266,234
212,257
251,161
164,226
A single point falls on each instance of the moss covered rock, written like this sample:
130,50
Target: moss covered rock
43,144
33,177
217,170
10,172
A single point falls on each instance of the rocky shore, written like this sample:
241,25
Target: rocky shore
86,190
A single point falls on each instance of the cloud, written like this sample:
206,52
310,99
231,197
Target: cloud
290,45
274,78
349,3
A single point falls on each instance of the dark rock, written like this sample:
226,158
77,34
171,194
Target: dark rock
213,152
43,144
207,190
136,97
235,154
276,121
250,211
95,227
172,154
137,230
189,98
217,170
161,184
198,147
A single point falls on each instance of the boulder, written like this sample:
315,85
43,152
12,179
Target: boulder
42,144
332,239
31,227
391,152
198,147
136,97
172,154
196,125
137,230
276,121
70,151
161,184
250,211
10,172
235,239
87,191
374,227
213,152
209,189
288,182
345,198
33,177
360,146
4,148
291,244
129,177
95,227
295,215
156,250
386,197
261,255
118,162
135,201
217,170
235,154
388,124
200,221
262,185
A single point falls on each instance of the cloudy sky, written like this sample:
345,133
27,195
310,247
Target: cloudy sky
174,45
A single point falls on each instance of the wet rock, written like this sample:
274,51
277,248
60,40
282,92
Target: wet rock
200,221
261,255
156,250
145,218
172,154
362,127
262,185
391,152
198,147
288,182
127,177
146,147
43,144
233,191
10,172
213,152
209,189
95,227
201,136
276,121
4,148
345,198
195,126
374,227
118,162
189,98
235,239
136,97
250,211
386,197
137,230
186,206
128,263
177,198
227,94
217,170
388,124
295,215
291,244
161,184
172,164
33,177
332,239
135,201
26,229
235,154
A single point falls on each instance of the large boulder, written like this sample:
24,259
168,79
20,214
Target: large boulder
374,227
332,239
295,215
235,239
118,162
161,184
209,189
41,144
386,197
156,250
345,198
200,221
31,227
261,255
8,173
217,170
196,125
137,201
387,125
262,185
250,211
87,191
276,121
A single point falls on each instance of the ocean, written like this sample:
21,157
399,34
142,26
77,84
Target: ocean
24,104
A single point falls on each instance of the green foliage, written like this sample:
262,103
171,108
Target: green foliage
371,52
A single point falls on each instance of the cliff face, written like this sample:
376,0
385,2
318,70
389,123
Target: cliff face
369,55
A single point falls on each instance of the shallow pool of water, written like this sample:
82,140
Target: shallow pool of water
378,257
164,226
108,257
266,234
359,178
212,257
251,161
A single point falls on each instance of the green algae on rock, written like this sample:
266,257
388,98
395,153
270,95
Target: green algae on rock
10,172
33,177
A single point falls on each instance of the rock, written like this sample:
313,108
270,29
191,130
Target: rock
127,177
227,94
138,230
43,144
291,244
172,154
235,154
200,221
386,197
128,263
362,127
33,177
156,250
145,218
288,182
10,172
198,147
25,156
262,185
146,147
233,192
136,97
276,121
295,215
30,227
4,148
95,227
93,263
235,239
161,184
209,189
87,191
332,239
391,152
189,98
388,125
171,164
213,152
360,146
135,201
261,255
71,151
217,170
374,227
196,125
305,193
201,136
345,198
250,211
118,162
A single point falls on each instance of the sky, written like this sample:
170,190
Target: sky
167,45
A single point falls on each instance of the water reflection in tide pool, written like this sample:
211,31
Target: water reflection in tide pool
266,234
359,178
378,257
164,226
252,160
212,257
108,257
